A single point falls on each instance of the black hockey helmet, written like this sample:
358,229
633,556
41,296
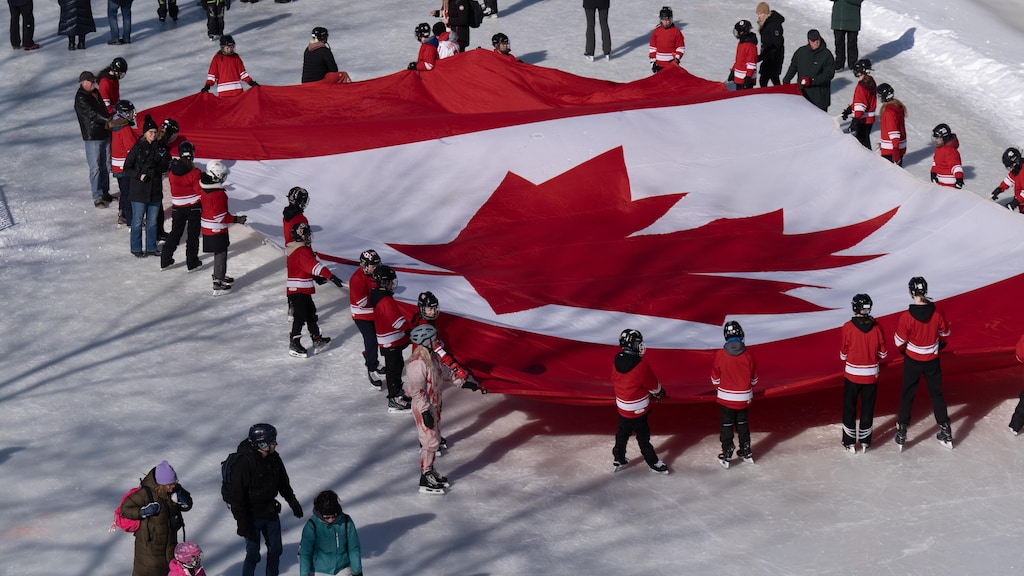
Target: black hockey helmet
369,258
187,150
862,66
666,12
299,197
125,109
632,341
942,133
262,435
885,92
119,65
320,34
428,305
918,286
302,233
1012,159
384,276
227,40
741,28
170,128
422,30
862,304
732,329
499,38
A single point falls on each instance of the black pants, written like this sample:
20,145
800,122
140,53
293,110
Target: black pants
303,312
606,34
167,6
1017,420
215,20
462,35
846,48
124,203
771,69
732,417
185,219
369,333
863,134
492,4
21,35
866,393
394,363
913,371
638,426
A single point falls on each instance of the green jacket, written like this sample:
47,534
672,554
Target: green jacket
846,15
820,67
328,548
157,535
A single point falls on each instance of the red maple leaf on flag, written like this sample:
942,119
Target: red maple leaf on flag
569,241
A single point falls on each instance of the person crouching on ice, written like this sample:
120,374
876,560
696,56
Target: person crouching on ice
424,379
635,386
304,268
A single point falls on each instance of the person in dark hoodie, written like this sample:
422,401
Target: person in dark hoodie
258,476
635,386
921,333
744,68
186,209
814,67
144,167
773,47
734,373
946,168
158,503
863,345
317,59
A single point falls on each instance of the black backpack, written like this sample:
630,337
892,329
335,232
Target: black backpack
476,14
225,476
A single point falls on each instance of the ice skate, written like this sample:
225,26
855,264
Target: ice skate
851,448
375,380
396,406
220,289
321,343
864,448
723,460
901,435
945,435
430,483
746,454
619,463
1012,431
659,467
296,349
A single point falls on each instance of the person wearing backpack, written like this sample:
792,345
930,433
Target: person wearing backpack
330,543
158,505
256,477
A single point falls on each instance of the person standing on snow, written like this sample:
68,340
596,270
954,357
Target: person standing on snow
227,71
144,167
813,66
635,386
95,123
734,374
846,25
863,345
317,58
360,285
305,271
946,168
329,542
158,504
1014,178
392,328
864,103
109,82
667,44
892,126
186,209
121,141
773,47
214,222
598,8
424,380
921,332
744,68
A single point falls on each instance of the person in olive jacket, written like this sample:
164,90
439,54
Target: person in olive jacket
144,166
814,68
846,25
257,477
158,504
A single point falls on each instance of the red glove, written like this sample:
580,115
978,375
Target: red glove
805,80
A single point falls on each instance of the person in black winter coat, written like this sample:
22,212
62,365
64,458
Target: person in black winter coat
772,44
23,25
144,166
95,125
597,8
75,21
317,59
814,67
459,14
258,476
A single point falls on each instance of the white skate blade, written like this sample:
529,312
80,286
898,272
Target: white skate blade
946,444
749,459
724,463
863,448
851,448
295,354
429,490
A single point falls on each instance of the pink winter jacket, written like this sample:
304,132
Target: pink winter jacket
176,569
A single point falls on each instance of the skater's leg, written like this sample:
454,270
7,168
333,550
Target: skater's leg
868,393
849,413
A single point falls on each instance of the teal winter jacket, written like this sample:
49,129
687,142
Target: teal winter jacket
327,548
846,15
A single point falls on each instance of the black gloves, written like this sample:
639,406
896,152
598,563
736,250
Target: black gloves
655,68
337,282
748,82
205,88
241,218
996,192
471,385
296,508
182,499
732,76
935,177
1013,205
151,509
428,419
411,66
847,112
854,125
959,183
253,83
242,528
320,280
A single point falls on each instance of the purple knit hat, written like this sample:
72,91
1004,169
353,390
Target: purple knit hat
165,474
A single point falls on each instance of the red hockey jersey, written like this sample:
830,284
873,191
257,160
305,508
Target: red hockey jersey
745,65
1016,181
390,323
920,330
303,265
359,286
121,141
215,217
864,103
863,345
633,389
946,163
734,373
667,45
227,72
110,91
893,131
185,190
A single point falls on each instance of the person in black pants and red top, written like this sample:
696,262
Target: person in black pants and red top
186,210
635,386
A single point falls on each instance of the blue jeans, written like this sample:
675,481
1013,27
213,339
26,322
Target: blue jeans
147,210
97,155
270,528
126,20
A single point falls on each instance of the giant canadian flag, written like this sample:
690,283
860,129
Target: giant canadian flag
548,212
